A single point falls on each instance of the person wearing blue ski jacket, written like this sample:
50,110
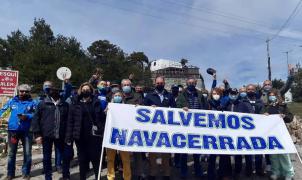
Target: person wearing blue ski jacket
21,108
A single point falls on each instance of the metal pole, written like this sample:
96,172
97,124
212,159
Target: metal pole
63,84
287,58
299,158
297,152
287,61
268,60
100,167
102,153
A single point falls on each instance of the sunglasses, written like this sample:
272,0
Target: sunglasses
22,91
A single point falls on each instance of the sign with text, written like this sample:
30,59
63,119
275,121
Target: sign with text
171,130
8,82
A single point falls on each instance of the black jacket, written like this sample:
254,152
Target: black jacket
74,122
43,123
216,105
239,106
154,99
280,109
256,106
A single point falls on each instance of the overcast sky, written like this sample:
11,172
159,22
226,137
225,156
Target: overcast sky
228,35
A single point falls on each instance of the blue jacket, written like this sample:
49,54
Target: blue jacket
16,107
153,99
67,91
103,100
225,100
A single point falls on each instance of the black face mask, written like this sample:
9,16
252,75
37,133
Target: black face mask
191,87
22,97
47,91
160,88
251,94
175,92
86,94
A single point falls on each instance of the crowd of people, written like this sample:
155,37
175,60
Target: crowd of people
62,118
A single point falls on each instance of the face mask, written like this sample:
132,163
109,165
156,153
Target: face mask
160,88
46,89
103,90
86,94
175,92
117,99
216,97
243,94
205,95
191,87
46,86
233,97
251,94
272,98
267,88
22,96
127,89
100,88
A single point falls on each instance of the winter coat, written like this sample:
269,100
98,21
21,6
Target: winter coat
16,106
183,100
75,117
134,98
45,123
238,106
154,99
279,109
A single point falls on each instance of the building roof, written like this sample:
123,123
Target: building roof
164,63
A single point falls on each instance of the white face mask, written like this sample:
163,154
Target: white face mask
216,97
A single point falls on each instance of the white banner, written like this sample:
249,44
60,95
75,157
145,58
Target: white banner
170,130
